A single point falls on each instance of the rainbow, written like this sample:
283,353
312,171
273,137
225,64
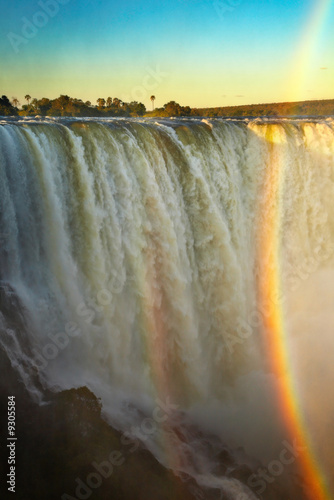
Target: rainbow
274,331
302,58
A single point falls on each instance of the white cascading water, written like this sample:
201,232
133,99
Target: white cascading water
133,248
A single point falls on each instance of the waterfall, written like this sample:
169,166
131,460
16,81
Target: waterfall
133,249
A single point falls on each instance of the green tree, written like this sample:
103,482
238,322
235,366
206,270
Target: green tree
117,102
15,102
136,108
59,106
6,108
185,110
44,105
27,98
172,108
34,104
152,100
101,102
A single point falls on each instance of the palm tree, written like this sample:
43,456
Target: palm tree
117,102
101,102
152,99
15,102
27,97
34,103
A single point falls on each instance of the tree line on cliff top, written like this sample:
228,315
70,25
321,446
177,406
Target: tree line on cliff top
68,106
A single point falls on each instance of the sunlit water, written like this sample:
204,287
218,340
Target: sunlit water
133,247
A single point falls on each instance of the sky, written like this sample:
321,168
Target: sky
199,53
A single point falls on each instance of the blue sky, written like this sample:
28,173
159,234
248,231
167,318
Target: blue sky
199,53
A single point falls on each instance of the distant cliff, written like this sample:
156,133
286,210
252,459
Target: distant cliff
301,108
